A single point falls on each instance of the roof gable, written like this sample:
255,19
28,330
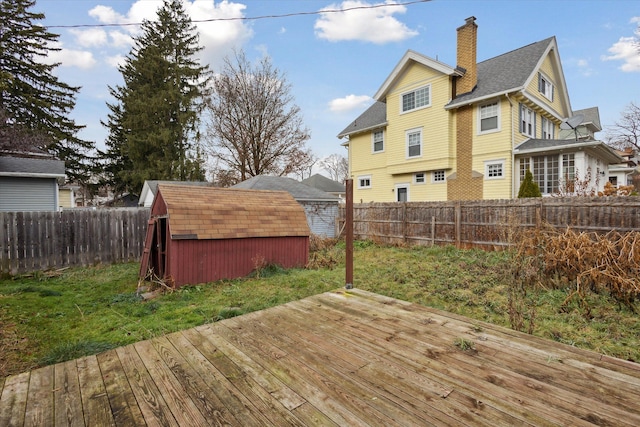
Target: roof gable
225,213
512,71
408,60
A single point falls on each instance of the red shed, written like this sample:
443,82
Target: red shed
202,234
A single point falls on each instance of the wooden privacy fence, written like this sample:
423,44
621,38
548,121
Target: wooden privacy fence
489,224
32,241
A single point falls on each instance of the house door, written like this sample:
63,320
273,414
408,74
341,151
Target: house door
402,193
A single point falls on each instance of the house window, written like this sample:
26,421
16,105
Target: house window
545,86
489,117
494,169
419,178
568,168
364,181
548,129
418,98
402,193
614,181
545,173
524,167
378,141
527,121
437,176
414,143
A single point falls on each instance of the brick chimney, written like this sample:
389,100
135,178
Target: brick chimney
467,45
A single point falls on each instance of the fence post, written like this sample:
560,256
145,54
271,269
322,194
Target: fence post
458,224
433,231
349,235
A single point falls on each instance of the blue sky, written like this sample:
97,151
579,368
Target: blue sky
335,62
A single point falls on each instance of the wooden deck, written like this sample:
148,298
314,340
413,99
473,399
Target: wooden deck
347,358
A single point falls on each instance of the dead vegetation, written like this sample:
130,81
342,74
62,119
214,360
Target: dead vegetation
323,253
580,262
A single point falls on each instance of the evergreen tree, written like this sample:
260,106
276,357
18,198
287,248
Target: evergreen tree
30,94
153,125
528,187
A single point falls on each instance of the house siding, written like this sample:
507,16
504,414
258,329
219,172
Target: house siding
28,194
321,217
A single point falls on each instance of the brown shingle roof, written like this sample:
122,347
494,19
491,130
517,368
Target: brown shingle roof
225,213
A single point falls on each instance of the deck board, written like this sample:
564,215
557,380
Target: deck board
339,358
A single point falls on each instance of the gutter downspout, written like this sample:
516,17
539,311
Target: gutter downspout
513,156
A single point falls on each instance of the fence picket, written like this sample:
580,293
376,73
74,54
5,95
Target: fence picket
32,241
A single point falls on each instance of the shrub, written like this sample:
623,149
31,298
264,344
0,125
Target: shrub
529,188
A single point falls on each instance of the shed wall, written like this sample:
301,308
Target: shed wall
321,217
201,261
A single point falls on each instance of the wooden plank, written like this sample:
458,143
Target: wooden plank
39,409
264,406
175,396
14,399
66,396
153,407
95,403
197,351
124,407
197,389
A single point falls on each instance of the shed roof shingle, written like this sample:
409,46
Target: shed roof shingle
226,213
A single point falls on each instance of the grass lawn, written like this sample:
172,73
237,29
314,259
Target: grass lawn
45,320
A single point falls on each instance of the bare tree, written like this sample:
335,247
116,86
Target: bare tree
18,139
626,131
337,166
254,128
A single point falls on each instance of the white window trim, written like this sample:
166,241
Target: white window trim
549,84
499,124
550,126
361,177
489,163
373,151
406,142
524,109
433,176
427,105
424,177
405,185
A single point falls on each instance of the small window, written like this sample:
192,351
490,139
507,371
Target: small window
614,181
414,143
527,121
419,178
548,129
438,176
494,169
378,141
545,86
489,117
418,98
364,181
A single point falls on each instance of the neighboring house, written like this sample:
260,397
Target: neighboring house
150,188
30,184
67,196
320,208
440,132
322,183
623,173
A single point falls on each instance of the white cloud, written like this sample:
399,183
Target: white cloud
349,102
120,39
90,37
72,58
115,61
626,49
372,24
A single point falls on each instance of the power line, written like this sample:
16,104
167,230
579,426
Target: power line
250,18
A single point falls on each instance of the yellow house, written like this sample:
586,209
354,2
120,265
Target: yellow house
437,132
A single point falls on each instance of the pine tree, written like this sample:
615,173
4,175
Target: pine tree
30,94
528,187
153,125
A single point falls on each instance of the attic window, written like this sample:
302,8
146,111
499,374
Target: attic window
416,99
545,87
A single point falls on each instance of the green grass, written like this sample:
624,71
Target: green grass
85,311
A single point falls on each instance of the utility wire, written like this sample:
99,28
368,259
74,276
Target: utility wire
250,18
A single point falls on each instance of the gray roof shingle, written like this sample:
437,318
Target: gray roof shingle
374,116
299,191
27,166
323,183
